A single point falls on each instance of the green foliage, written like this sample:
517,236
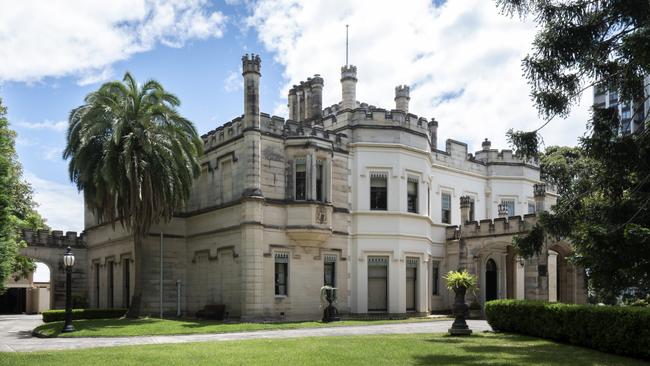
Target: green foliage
525,143
17,208
77,314
615,329
134,157
530,244
457,279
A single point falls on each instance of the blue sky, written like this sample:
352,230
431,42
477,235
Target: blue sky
461,58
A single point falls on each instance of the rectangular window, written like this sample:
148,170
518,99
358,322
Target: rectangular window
379,191
531,207
412,195
126,279
435,278
472,210
329,273
320,193
510,205
96,285
301,179
446,208
281,273
109,280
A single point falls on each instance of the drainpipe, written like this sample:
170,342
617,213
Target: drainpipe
178,298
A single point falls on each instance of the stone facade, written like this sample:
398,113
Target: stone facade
351,195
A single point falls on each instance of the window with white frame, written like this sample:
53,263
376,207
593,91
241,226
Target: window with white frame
281,273
379,191
531,207
301,179
329,270
445,199
412,194
510,205
435,278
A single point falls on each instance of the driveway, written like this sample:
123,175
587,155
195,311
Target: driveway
15,328
20,341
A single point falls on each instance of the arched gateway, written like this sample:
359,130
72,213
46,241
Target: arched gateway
48,247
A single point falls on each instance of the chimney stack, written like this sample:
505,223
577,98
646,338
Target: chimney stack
402,98
502,210
316,96
539,191
465,203
349,86
433,134
293,104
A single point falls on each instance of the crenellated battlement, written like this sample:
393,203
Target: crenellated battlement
402,91
500,226
56,238
501,156
293,129
334,117
252,63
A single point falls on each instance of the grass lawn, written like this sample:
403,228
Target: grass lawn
151,326
412,349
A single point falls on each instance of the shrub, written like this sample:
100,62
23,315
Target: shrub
59,315
616,329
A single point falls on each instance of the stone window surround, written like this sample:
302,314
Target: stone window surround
311,159
417,178
450,193
276,254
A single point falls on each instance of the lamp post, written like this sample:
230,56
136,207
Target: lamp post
68,262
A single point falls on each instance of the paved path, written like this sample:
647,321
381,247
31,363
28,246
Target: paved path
28,344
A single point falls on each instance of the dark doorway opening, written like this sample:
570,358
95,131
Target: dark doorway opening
13,301
490,280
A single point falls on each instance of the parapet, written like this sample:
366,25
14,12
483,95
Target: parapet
512,225
349,72
56,238
223,133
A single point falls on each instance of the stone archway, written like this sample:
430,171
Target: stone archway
49,248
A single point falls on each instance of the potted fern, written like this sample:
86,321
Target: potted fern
460,282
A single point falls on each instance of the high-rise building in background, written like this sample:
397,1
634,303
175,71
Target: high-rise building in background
633,115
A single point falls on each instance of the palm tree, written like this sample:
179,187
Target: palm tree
134,157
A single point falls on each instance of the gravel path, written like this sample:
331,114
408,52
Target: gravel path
17,339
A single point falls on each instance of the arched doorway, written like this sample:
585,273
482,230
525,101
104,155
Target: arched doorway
490,280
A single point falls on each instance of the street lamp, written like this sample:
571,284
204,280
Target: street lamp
68,262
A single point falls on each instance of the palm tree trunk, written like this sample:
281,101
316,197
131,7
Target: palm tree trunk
136,301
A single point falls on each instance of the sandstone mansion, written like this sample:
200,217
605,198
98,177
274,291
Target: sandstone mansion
358,197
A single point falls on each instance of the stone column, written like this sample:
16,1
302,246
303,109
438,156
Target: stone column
520,285
552,276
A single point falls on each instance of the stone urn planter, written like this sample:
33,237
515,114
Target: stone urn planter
328,301
460,282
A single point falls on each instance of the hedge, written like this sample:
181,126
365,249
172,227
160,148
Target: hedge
59,315
615,329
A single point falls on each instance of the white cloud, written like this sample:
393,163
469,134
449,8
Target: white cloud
64,37
60,204
45,125
462,60
53,154
233,82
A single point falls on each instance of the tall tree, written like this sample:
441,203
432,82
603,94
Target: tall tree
17,208
134,157
605,183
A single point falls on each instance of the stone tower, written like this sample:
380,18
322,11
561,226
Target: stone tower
252,235
349,86
402,98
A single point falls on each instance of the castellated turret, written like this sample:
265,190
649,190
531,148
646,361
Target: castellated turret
402,98
306,99
251,66
349,86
